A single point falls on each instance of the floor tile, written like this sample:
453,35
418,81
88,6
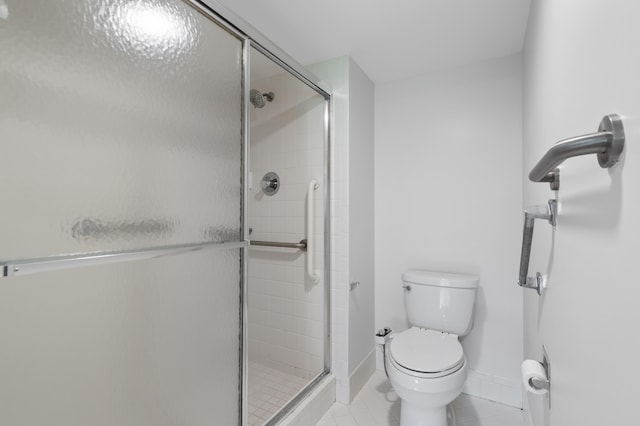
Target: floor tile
378,405
269,391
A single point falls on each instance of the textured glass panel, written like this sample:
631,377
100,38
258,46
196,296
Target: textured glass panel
149,343
120,125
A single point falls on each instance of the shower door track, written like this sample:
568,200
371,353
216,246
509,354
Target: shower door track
291,405
55,263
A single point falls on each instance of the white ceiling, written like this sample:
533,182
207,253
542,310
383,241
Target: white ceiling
390,40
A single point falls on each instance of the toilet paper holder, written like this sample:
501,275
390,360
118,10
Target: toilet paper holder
539,383
545,384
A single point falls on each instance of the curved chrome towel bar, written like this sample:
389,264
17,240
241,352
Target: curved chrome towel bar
607,142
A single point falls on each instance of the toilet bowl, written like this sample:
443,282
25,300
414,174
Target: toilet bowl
426,363
425,387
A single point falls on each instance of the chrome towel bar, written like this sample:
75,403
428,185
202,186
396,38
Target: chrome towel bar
57,263
607,143
302,245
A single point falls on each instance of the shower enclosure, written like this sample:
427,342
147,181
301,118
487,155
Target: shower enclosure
286,287
124,257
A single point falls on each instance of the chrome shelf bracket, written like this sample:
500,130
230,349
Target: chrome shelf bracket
548,212
607,143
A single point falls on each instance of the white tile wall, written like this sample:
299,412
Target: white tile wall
336,72
352,243
285,308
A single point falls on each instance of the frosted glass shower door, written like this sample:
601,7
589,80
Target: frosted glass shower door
121,129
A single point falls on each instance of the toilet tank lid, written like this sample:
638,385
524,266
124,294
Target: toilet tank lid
442,279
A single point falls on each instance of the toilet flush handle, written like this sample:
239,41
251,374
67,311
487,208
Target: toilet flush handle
406,287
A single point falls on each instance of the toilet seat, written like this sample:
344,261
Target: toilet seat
426,353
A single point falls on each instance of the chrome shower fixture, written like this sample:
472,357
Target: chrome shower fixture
270,183
257,98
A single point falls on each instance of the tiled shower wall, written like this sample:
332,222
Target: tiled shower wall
286,309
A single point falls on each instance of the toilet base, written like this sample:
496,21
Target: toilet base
412,415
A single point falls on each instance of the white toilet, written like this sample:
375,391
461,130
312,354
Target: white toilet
426,364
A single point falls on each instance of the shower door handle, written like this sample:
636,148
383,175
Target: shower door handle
314,275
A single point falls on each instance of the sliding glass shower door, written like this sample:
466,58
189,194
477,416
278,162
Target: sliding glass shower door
287,280
121,234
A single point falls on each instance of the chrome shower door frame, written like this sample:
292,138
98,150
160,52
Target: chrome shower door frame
252,38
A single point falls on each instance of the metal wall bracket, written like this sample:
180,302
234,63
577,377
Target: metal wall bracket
553,178
543,383
607,143
535,283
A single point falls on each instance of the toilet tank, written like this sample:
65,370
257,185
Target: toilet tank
440,301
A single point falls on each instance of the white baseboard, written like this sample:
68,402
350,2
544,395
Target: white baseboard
361,374
494,388
314,406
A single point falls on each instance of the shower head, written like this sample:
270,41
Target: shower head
257,99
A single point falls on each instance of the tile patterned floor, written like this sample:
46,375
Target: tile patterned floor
269,390
378,405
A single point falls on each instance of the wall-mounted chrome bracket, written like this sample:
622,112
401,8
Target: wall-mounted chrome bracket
540,383
607,143
548,212
553,178
546,363
535,283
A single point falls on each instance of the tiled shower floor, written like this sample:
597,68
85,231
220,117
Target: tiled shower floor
269,390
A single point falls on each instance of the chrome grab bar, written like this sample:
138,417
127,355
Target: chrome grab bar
607,142
313,274
302,245
548,212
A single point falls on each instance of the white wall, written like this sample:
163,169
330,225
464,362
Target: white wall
361,227
448,196
581,62
351,224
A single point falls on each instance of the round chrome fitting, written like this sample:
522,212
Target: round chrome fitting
610,156
270,183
